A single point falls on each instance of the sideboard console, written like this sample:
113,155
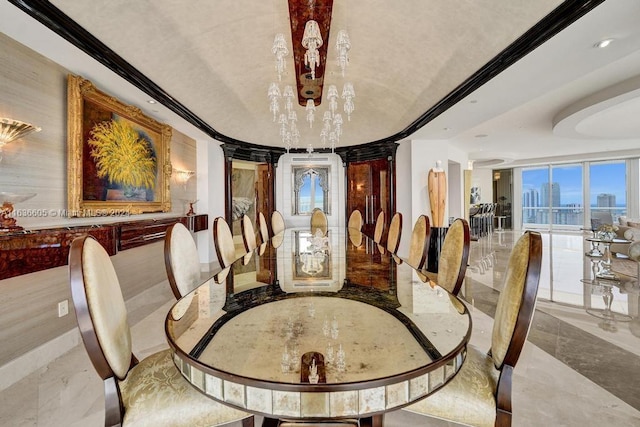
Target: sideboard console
28,251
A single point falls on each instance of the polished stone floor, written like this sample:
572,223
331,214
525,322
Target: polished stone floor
581,366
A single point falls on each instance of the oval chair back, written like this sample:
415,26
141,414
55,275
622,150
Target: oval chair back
277,222
454,256
248,234
318,221
395,233
355,220
378,233
419,246
181,260
223,242
263,227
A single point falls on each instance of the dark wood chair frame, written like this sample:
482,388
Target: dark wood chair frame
520,331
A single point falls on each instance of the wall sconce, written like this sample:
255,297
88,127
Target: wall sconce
183,176
11,130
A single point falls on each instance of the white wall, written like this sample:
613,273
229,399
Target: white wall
284,187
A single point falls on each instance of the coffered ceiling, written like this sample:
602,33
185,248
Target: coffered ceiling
421,69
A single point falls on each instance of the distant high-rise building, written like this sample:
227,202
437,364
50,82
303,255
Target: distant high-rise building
606,200
555,194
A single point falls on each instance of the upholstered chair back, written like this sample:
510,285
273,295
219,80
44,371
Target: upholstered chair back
319,221
100,308
181,260
223,241
277,222
419,245
516,302
263,227
378,233
395,233
454,256
355,220
248,234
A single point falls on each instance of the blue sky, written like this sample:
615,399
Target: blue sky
605,178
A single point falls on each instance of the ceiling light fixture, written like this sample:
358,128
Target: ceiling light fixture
343,44
603,43
312,40
280,51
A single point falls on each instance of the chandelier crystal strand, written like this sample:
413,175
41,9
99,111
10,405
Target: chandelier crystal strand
343,45
312,40
280,51
274,100
311,109
348,94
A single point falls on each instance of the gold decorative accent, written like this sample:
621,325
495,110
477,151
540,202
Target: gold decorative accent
92,117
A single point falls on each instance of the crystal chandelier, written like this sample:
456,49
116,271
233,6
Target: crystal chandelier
312,40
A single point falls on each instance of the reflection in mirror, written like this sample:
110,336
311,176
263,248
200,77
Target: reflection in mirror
310,189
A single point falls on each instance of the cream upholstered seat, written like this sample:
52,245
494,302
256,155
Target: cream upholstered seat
419,246
454,256
181,260
480,394
395,233
149,392
355,220
223,241
248,234
277,222
378,233
263,227
319,221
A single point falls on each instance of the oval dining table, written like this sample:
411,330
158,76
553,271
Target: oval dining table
318,327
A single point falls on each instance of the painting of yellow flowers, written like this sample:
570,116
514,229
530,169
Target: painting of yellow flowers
118,157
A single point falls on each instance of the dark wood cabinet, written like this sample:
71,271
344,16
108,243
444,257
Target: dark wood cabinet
370,190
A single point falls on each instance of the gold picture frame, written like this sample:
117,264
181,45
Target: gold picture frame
104,136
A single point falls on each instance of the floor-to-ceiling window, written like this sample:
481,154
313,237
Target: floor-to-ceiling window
554,196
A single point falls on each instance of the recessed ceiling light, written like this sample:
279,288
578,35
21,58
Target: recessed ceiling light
151,101
481,135
603,43
473,101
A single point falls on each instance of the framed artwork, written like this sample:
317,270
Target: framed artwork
475,195
118,158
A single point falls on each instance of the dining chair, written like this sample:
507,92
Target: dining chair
378,233
181,260
147,392
223,242
263,227
355,220
419,246
454,256
277,222
395,233
248,234
318,221
480,394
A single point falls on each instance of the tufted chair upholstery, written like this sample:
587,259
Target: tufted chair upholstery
223,241
319,221
480,394
277,222
378,233
419,246
149,392
248,234
395,233
355,220
263,227
452,265
181,260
